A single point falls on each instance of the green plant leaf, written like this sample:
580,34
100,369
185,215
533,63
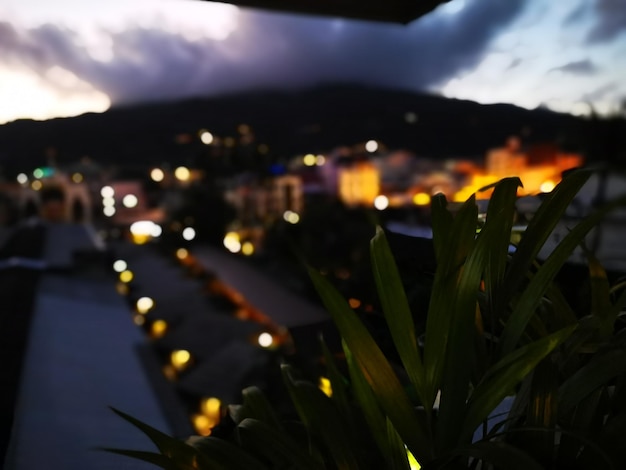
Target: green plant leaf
376,369
442,224
500,216
600,294
159,460
491,247
337,382
321,417
597,372
256,406
220,454
373,414
442,308
396,309
540,227
173,448
399,459
501,379
529,300
261,439
501,455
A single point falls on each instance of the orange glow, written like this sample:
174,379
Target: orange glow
354,303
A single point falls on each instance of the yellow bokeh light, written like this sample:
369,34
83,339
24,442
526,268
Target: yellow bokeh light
381,202
211,407
232,242
122,289
371,146
182,173
547,186
247,248
36,185
182,253
126,276
77,178
157,175
325,386
421,199
354,303
202,424
139,320
158,328
206,137
309,159
265,340
144,305
180,359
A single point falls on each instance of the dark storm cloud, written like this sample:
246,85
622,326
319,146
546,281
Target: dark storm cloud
579,67
270,50
611,20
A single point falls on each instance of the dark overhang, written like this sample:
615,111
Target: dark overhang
396,11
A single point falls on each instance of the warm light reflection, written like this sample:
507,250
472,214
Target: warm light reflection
371,146
158,328
107,191
320,160
157,175
206,137
144,305
232,242
291,217
325,386
180,359
130,201
120,265
309,159
139,320
77,178
182,253
247,248
211,407
421,199
189,233
547,186
182,173
36,185
265,340
381,202
354,303
202,424
126,276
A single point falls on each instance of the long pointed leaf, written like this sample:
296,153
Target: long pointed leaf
373,414
220,454
441,309
396,309
502,378
260,439
319,414
442,225
159,460
378,372
540,227
530,298
602,368
500,216
167,445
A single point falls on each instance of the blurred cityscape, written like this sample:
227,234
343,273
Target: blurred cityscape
209,254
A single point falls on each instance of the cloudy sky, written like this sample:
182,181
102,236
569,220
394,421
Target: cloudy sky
67,57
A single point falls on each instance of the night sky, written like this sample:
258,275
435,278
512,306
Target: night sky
71,56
